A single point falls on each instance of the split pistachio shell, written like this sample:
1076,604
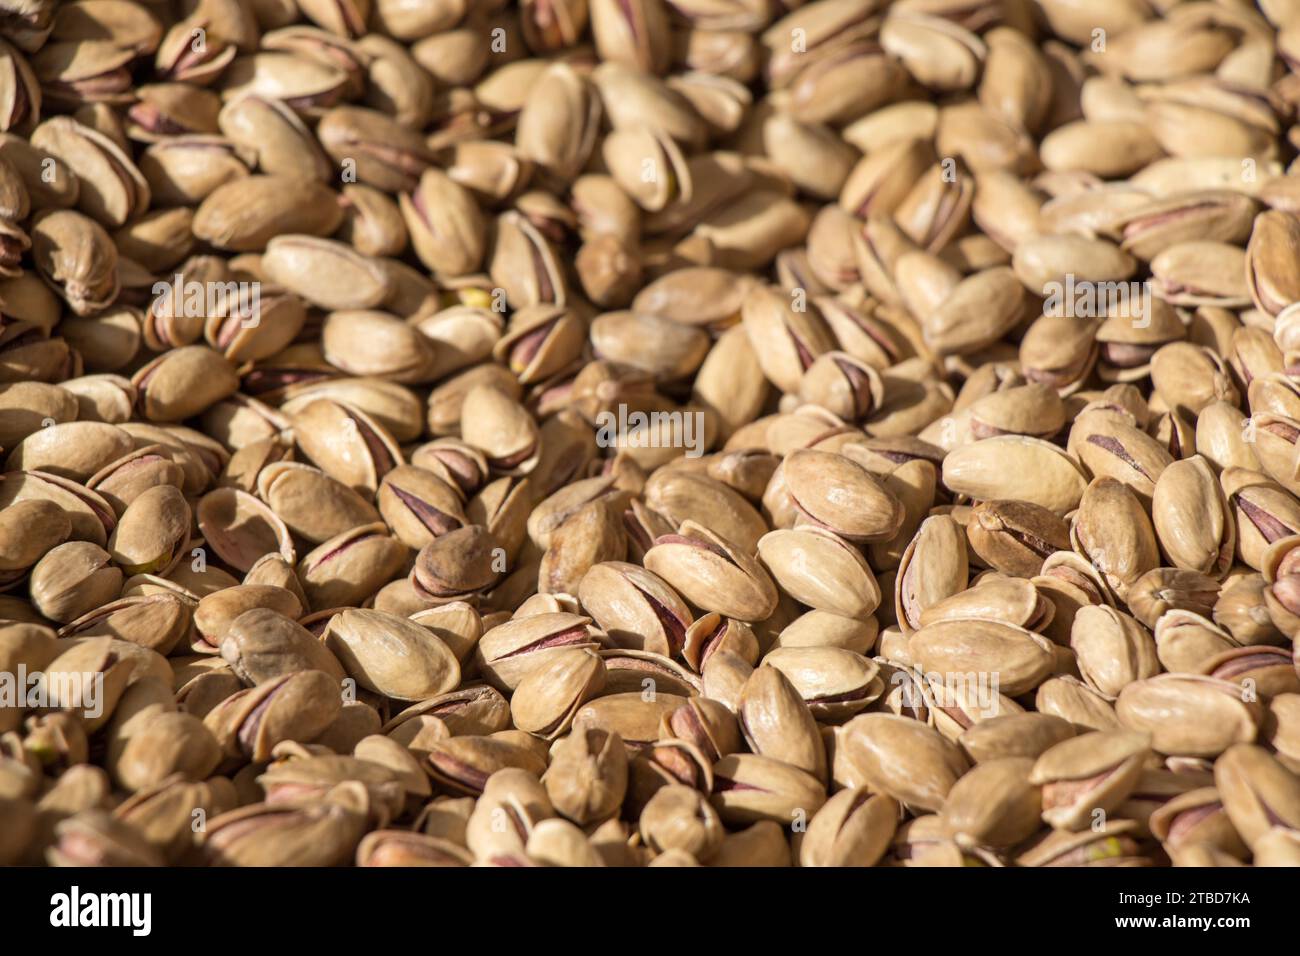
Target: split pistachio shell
1085,774
712,573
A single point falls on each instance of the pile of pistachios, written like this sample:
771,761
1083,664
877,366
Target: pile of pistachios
649,432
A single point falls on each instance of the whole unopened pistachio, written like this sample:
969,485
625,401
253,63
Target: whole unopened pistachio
390,655
901,757
262,644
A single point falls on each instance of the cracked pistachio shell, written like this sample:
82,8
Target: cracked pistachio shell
506,653
834,682
501,428
1189,377
1033,409
445,224
1015,537
1113,531
458,624
1270,275
994,597
680,495
636,607
540,341
748,788
297,706
72,579
346,443
1161,589
92,837
313,505
1267,671
785,341
777,723
456,565
1263,510
303,774
75,450
823,629
164,813
183,382
592,535
559,123
472,710
1185,641
712,633
125,479
629,670
550,695
321,834
466,764
404,849
348,568
241,529
681,818
1070,698
707,724
167,744
933,567
635,719
1095,771
418,505
155,621
979,311
77,258
1257,790
853,828
29,529
839,494
712,573
219,609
